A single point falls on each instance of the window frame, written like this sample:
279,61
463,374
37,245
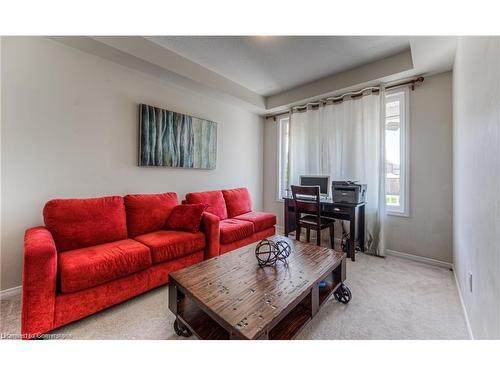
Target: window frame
279,131
404,126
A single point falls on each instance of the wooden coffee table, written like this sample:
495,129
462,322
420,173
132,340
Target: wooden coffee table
231,297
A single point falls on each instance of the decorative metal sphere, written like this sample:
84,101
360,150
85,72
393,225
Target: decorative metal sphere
284,249
268,252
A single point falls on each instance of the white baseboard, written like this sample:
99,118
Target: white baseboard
11,292
467,322
417,258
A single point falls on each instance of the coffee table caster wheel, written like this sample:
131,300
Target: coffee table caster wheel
181,330
343,294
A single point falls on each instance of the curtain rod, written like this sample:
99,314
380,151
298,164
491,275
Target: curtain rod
355,94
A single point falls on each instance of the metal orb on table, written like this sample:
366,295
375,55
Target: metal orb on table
269,252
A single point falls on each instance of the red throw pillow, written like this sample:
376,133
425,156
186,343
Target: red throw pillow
186,217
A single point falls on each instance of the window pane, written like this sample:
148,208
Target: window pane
393,152
392,108
286,176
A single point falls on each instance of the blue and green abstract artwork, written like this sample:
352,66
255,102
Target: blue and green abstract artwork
171,139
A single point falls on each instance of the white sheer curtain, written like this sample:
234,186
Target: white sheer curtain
345,141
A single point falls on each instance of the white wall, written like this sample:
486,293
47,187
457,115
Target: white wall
70,129
427,232
476,181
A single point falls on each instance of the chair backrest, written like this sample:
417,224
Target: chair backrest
306,200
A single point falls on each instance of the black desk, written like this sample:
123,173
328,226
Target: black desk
340,211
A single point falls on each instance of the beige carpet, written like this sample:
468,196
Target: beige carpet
393,298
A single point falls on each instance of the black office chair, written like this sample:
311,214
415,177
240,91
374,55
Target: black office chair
308,213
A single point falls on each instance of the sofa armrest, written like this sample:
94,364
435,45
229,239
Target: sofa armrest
210,226
39,282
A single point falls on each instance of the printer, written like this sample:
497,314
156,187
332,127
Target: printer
348,192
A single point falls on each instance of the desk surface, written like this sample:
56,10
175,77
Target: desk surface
329,200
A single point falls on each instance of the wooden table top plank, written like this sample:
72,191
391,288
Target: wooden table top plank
248,297
248,280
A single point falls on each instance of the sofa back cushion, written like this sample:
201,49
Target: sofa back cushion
238,201
77,223
214,199
148,212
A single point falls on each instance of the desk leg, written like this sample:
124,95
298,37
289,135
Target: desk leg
352,235
285,217
289,217
361,227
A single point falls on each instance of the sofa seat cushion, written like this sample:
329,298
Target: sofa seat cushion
79,223
91,266
238,201
214,199
260,220
234,230
170,244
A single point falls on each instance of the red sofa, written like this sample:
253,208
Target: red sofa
239,225
94,253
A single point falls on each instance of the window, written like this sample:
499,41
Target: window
283,170
397,152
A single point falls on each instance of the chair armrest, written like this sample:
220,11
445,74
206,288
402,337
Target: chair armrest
210,226
39,282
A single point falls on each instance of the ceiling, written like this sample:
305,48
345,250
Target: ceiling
268,65
266,74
